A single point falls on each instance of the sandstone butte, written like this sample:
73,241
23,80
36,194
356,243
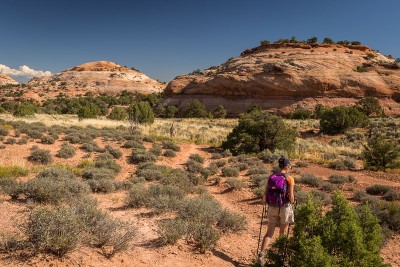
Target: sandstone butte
5,80
285,76
95,77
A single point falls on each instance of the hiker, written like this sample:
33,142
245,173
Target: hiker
172,131
279,195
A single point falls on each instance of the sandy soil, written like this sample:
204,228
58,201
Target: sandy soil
232,249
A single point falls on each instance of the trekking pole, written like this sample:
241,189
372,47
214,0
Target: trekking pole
286,244
259,235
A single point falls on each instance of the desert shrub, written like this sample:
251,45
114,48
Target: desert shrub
343,164
23,140
378,189
338,179
156,150
35,134
4,132
118,113
301,114
391,195
56,230
109,164
150,174
141,155
216,156
270,157
259,179
370,106
321,196
114,151
180,179
260,169
339,119
165,197
55,186
98,174
196,109
10,141
102,185
220,163
328,186
148,139
46,139
197,157
310,179
141,113
227,153
234,183
241,166
379,153
137,196
91,147
204,235
231,222
170,231
66,151
219,112
203,208
230,172
169,153
41,156
257,131
213,168
133,144
171,145
322,234
301,164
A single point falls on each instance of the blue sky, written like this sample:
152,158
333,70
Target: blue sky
166,38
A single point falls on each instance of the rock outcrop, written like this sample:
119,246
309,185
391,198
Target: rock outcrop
95,77
5,80
281,77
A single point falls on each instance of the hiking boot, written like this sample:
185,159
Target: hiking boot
261,258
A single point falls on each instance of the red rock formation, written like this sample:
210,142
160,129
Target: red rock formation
284,76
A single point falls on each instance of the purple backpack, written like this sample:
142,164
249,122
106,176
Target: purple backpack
277,186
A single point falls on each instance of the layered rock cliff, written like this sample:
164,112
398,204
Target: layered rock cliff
95,77
281,77
5,80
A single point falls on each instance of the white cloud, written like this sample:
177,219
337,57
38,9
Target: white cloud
23,71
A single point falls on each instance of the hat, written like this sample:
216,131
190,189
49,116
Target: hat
283,162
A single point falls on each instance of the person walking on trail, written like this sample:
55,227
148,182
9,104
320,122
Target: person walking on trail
279,195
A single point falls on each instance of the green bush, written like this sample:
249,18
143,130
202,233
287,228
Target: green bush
169,153
171,145
46,139
141,113
196,109
25,109
257,131
141,155
55,186
339,119
197,157
234,183
310,179
301,114
339,236
156,150
56,230
370,106
118,113
219,112
114,151
230,172
41,156
379,153
378,189
66,151
345,164
170,231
